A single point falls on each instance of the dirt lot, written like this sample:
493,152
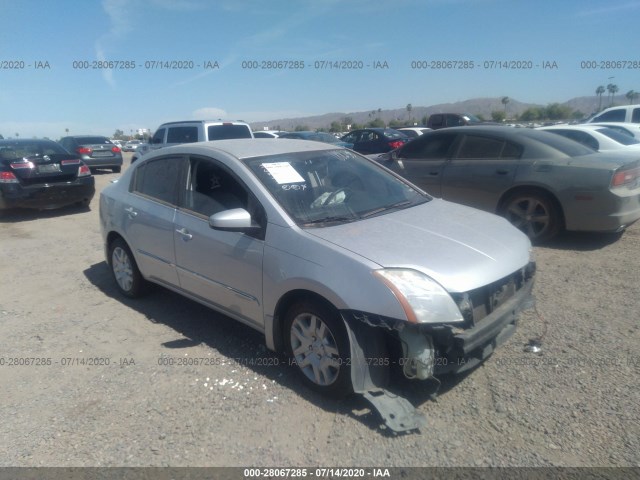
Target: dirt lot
111,383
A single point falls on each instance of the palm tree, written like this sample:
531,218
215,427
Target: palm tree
409,108
504,101
599,91
631,95
612,89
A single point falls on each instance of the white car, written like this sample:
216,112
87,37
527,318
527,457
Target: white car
602,139
413,132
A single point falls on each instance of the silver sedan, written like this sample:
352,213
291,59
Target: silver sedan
344,266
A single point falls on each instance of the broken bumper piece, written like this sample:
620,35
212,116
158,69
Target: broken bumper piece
427,350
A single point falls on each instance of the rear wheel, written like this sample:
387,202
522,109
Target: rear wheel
535,213
116,169
125,270
318,343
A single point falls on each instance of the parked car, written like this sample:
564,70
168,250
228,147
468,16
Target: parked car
375,140
631,129
268,133
317,137
539,181
629,113
338,262
41,174
131,145
413,132
602,139
95,151
190,131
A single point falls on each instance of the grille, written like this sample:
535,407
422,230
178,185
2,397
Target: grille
477,304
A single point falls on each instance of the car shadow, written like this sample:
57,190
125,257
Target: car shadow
237,342
16,215
582,241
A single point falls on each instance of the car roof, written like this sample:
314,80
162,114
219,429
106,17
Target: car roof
249,147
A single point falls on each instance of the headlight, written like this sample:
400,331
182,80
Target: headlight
423,299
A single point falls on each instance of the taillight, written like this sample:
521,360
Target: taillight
8,177
115,149
85,150
396,144
84,171
19,165
625,177
70,162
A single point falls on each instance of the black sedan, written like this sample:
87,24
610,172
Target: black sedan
41,174
541,182
375,140
95,151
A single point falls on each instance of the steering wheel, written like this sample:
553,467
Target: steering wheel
345,190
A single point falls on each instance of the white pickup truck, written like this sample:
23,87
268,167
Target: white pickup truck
189,131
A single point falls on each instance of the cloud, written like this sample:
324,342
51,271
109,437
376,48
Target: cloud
209,113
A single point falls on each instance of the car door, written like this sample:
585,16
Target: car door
220,267
422,160
149,214
481,169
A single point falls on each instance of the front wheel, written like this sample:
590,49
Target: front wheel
318,343
125,270
535,213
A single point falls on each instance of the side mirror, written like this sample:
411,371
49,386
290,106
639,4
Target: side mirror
234,220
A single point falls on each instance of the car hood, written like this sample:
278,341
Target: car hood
460,247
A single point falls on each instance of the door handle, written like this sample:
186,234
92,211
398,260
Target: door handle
186,236
131,212
433,173
502,171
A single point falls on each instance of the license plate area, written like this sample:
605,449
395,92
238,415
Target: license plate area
52,168
102,154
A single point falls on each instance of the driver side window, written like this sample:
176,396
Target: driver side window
212,188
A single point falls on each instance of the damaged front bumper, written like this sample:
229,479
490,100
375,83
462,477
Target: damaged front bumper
424,350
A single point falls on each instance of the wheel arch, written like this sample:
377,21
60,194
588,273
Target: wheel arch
531,188
284,303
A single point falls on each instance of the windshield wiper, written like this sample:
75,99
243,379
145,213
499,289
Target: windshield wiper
403,203
335,218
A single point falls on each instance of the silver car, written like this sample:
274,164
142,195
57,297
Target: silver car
352,271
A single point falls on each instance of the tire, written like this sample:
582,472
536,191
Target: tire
317,342
116,169
533,212
125,271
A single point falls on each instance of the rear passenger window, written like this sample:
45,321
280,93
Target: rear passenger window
474,146
635,117
158,179
182,135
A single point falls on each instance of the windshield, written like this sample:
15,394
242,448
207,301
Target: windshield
332,186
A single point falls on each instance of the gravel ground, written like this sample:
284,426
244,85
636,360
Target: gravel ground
114,381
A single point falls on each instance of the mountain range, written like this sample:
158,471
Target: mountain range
475,106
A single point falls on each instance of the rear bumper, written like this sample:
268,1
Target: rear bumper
45,196
609,212
106,162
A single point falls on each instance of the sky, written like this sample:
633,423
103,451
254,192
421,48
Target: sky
95,66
